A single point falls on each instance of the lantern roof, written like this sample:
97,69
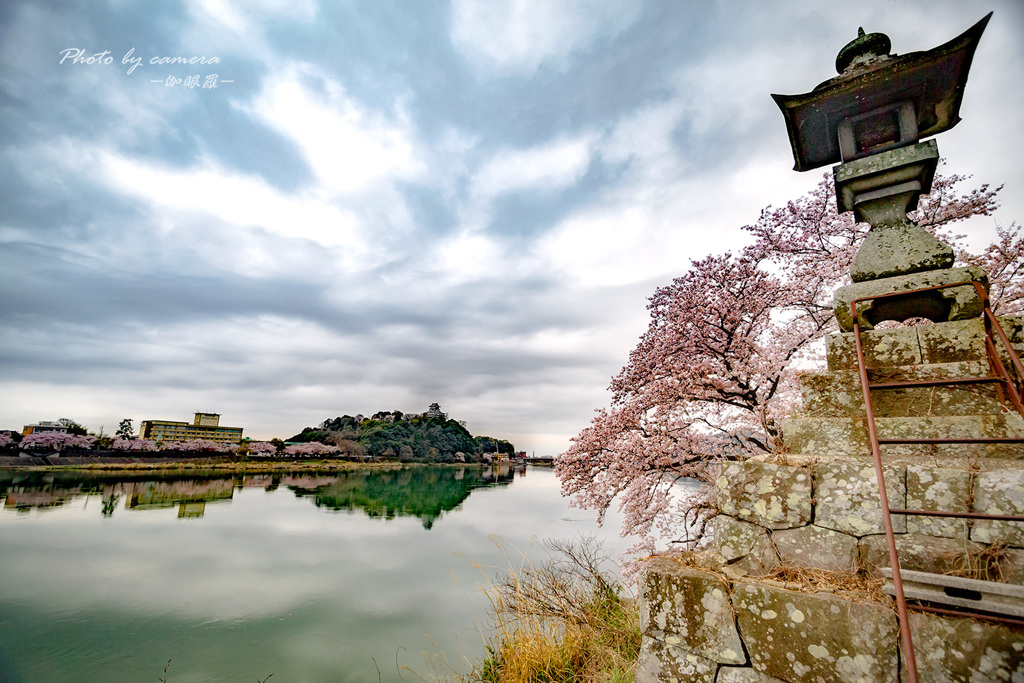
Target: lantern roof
870,79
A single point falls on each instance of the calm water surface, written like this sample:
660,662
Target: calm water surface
306,577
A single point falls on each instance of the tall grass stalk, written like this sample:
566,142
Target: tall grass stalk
566,620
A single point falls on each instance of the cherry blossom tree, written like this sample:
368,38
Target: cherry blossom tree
6,440
197,446
716,368
56,441
262,448
310,449
139,445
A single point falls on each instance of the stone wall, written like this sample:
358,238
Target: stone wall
816,507
736,623
712,627
827,516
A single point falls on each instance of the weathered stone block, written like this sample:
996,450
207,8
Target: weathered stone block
898,248
952,341
954,426
937,489
744,544
826,436
1013,326
690,610
882,349
847,498
1011,566
917,553
999,492
952,304
817,548
662,663
838,393
848,437
735,674
966,650
774,496
816,637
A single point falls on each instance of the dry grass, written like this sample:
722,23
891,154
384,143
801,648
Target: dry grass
852,586
985,564
566,620
790,577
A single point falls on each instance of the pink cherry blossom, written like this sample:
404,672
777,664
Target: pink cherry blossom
197,446
311,448
716,368
133,445
56,441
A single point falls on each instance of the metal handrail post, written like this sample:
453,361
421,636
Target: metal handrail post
890,537
991,323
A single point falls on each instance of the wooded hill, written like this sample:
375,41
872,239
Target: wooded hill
395,435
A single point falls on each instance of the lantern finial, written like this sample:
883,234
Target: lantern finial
862,50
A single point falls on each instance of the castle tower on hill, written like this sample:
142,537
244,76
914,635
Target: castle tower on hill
434,411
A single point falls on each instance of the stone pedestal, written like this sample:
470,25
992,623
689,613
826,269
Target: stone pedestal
880,189
954,303
897,255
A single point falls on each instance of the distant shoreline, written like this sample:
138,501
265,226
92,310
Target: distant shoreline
229,464
210,463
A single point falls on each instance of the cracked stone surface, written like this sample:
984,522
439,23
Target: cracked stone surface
735,674
999,492
690,610
965,650
840,436
952,341
948,342
799,636
659,662
937,489
847,498
817,548
774,496
955,303
745,545
899,249
917,552
838,393
882,349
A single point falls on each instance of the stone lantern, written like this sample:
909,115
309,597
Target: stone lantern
871,118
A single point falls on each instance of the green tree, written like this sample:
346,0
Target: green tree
73,427
124,430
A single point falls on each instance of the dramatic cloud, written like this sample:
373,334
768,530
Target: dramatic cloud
372,206
523,34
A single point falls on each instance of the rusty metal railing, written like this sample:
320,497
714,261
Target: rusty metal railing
998,375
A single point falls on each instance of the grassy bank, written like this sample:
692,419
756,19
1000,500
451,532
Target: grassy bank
567,620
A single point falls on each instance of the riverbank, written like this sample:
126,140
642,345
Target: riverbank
567,619
193,464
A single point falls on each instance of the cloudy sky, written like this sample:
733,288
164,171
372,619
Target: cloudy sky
385,204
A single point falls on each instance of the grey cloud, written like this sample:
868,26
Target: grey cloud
101,289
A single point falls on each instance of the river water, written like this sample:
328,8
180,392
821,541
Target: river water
309,577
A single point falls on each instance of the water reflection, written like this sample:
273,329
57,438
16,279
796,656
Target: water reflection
422,492
288,574
425,493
